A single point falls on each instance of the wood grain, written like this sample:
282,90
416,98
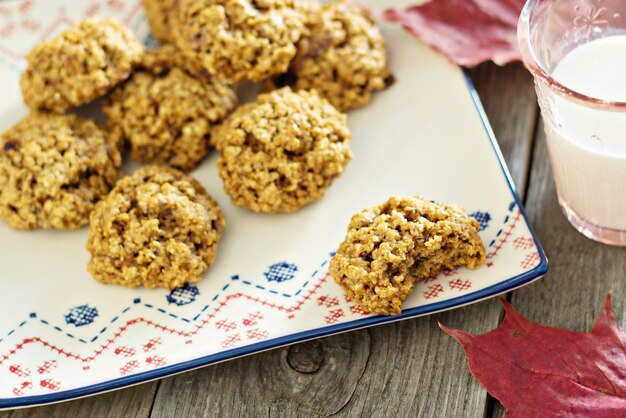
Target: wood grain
510,102
409,368
417,369
268,383
513,117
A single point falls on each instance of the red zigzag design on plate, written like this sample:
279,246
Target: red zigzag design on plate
139,320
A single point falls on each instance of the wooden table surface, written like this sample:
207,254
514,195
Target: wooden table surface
410,368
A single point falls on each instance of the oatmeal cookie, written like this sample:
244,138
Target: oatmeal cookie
53,170
162,17
240,39
341,54
167,117
283,151
84,62
158,227
388,248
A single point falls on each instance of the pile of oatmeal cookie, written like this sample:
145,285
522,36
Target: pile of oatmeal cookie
169,106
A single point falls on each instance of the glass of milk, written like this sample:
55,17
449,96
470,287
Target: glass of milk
576,51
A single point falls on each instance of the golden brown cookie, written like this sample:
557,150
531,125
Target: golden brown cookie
341,54
53,170
240,39
158,227
82,63
388,248
282,151
162,17
167,117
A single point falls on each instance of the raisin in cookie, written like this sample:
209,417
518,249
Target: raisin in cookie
53,169
162,17
158,227
282,151
388,248
240,39
342,55
167,117
82,63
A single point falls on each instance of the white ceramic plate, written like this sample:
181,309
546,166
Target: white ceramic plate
63,335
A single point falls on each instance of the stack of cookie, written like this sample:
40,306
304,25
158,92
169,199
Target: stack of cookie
168,106
55,167
335,48
284,150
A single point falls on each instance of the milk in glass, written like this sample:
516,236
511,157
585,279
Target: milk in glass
588,146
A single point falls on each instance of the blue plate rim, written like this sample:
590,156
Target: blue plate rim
491,291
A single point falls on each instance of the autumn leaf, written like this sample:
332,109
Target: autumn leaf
467,31
540,371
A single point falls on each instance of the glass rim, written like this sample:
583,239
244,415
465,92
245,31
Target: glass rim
532,64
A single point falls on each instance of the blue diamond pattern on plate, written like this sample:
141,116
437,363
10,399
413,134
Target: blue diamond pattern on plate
281,272
81,315
183,295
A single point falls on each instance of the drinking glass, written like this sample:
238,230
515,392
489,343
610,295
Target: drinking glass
588,151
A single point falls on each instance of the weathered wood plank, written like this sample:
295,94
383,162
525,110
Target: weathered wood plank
134,402
513,117
581,271
417,369
513,120
510,102
318,377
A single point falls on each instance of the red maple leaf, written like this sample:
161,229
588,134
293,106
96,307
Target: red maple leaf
467,31
540,371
